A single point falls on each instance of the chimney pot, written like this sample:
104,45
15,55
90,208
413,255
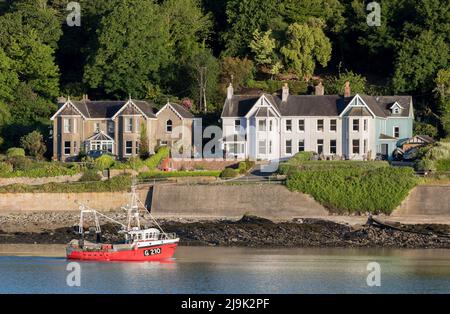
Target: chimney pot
285,93
319,89
230,91
347,89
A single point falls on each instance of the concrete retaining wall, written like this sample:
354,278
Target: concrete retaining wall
427,200
39,181
14,202
265,200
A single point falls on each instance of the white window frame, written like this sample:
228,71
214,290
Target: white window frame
365,124
335,125
303,145
128,125
301,122
126,148
353,147
323,146
323,125
97,127
169,127
288,126
358,125
393,131
262,125
288,144
67,125
263,142
335,147
65,147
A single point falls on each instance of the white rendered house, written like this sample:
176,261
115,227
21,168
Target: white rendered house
276,127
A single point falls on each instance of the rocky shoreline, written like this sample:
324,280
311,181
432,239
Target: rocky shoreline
249,231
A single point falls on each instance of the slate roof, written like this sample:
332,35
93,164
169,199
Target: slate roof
312,105
107,109
182,111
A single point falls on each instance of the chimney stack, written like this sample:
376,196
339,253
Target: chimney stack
285,93
320,89
347,90
230,91
62,100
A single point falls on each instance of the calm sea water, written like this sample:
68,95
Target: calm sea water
230,270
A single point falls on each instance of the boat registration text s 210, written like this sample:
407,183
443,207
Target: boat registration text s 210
150,252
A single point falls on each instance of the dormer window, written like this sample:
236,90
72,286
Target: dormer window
396,108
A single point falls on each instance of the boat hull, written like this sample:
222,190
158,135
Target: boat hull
142,254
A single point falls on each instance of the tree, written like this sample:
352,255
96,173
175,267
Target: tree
336,85
418,62
144,152
263,47
43,18
243,18
237,71
133,47
203,75
443,90
34,144
32,60
306,45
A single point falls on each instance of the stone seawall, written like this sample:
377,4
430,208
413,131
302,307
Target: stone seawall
426,200
264,200
19,202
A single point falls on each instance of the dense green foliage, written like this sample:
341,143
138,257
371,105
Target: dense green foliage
228,173
174,174
153,162
434,157
354,188
15,151
104,162
23,167
168,48
116,184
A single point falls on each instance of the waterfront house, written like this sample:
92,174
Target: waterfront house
115,126
276,127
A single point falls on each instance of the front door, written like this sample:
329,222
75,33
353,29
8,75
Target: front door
384,150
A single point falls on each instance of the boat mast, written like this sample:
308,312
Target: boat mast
133,207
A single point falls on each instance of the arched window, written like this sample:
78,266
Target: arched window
169,126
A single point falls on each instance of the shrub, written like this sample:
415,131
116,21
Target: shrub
443,165
170,174
425,165
5,168
34,143
303,156
154,161
15,152
229,173
90,176
356,189
20,163
245,166
104,162
118,183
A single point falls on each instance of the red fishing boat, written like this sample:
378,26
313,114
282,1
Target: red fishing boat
140,244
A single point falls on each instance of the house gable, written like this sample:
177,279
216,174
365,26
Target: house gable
169,106
130,108
263,103
68,109
357,103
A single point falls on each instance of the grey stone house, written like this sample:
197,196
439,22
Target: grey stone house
116,126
